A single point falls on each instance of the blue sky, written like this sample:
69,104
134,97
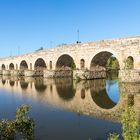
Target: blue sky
30,24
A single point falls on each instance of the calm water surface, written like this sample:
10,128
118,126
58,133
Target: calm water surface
64,109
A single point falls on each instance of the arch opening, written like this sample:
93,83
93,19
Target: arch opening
50,65
40,64
3,67
23,65
65,62
11,66
82,64
129,64
105,61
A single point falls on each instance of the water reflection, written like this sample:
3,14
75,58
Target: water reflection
65,88
101,95
83,93
24,85
39,85
12,83
3,82
59,105
96,98
112,90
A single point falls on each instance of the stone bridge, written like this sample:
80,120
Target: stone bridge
79,57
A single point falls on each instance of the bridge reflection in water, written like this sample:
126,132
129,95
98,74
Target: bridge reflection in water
98,98
101,99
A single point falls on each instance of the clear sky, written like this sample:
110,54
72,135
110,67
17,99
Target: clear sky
31,24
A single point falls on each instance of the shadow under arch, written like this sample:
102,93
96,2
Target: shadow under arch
65,61
101,59
100,96
3,67
40,64
39,85
23,65
11,66
65,89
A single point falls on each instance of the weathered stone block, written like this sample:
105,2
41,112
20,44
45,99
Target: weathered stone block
63,73
49,73
14,72
129,76
29,73
88,75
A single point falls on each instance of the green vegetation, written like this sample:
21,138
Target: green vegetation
22,126
130,127
112,63
73,66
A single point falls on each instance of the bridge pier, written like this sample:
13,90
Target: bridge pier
58,73
29,73
129,75
49,73
15,73
88,75
33,73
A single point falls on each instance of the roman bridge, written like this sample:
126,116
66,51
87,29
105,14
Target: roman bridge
79,57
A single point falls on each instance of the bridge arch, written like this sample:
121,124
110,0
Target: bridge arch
23,65
65,61
11,66
3,67
40,64
101,59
